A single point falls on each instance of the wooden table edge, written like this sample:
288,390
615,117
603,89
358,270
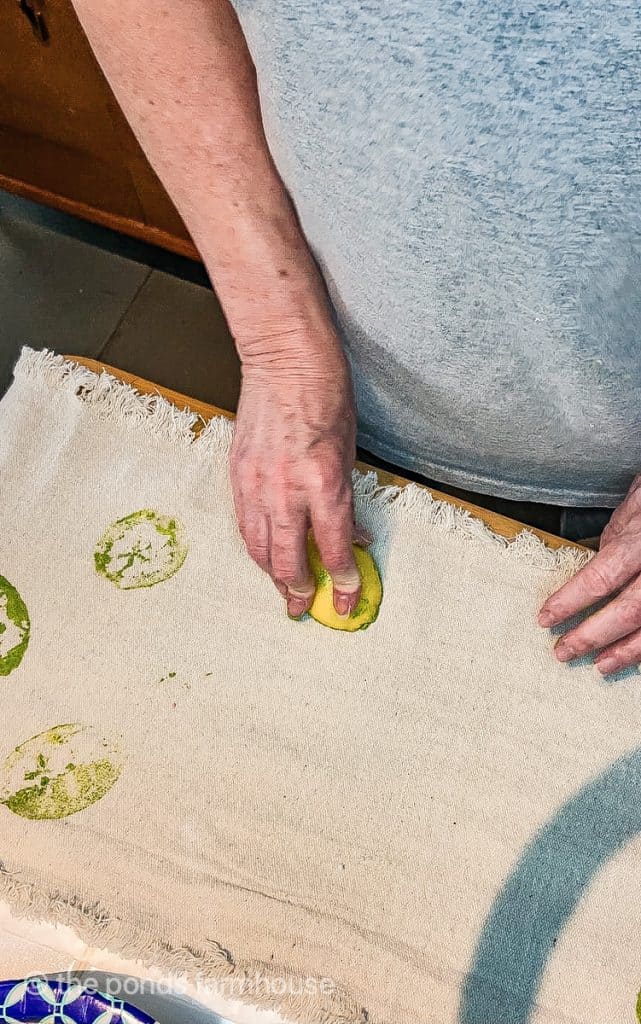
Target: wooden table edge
503,525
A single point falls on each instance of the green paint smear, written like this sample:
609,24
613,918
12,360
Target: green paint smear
67,793
321,575
16,611
639,1007
50,795
113,566
54,737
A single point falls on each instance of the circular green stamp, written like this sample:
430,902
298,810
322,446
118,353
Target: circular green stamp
58,772
14,627
141,550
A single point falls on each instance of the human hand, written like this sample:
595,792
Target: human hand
613,574
291,465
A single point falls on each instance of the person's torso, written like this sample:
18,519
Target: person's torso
468,176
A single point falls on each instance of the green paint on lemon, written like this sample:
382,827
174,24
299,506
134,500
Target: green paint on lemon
57,785
14,627
140,550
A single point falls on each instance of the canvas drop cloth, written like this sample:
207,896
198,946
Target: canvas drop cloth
427,821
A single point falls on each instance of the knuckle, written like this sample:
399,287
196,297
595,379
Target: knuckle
600,577
342,567
285,530
246,477
287,568
629,615
284,475
344,574
295,584
327,476
608,534
257,548
319,480
293,578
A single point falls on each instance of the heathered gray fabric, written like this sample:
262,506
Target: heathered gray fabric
468,176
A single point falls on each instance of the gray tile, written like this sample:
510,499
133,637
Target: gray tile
175,334
57,292
104,238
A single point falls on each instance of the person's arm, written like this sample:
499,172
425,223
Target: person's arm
184,78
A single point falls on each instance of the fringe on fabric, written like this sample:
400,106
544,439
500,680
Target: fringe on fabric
258,984
112,398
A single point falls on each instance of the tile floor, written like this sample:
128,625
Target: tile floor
84,290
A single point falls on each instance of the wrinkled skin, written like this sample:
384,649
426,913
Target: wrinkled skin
291,470
613,574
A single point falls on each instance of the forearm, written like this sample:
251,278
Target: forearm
185,80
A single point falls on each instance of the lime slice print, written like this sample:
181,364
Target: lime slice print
58,772
141,550
14,627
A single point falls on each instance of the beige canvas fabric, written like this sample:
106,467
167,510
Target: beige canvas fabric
430,820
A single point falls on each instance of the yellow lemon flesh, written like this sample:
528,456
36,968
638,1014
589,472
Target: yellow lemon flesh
366,610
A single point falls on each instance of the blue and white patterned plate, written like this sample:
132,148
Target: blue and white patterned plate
38,1001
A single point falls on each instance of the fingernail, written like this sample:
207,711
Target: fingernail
563,653
546,618
296,606
606,665
362,537
343,604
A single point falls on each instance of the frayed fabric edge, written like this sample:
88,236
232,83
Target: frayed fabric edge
254,983
417,503
113,398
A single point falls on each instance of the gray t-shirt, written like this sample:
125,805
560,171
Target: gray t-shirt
468,176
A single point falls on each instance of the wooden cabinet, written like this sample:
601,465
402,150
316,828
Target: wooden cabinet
63,138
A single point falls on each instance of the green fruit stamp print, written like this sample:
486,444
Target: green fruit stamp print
14,627
141,550
58,772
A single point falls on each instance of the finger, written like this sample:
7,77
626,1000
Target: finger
361,536
254,528
615,526
290,566
629,507
608,534
620,655
619,618
333,534
255,532
614,566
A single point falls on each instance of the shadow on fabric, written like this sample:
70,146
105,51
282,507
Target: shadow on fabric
543,890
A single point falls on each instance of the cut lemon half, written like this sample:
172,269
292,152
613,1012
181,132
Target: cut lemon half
366,610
